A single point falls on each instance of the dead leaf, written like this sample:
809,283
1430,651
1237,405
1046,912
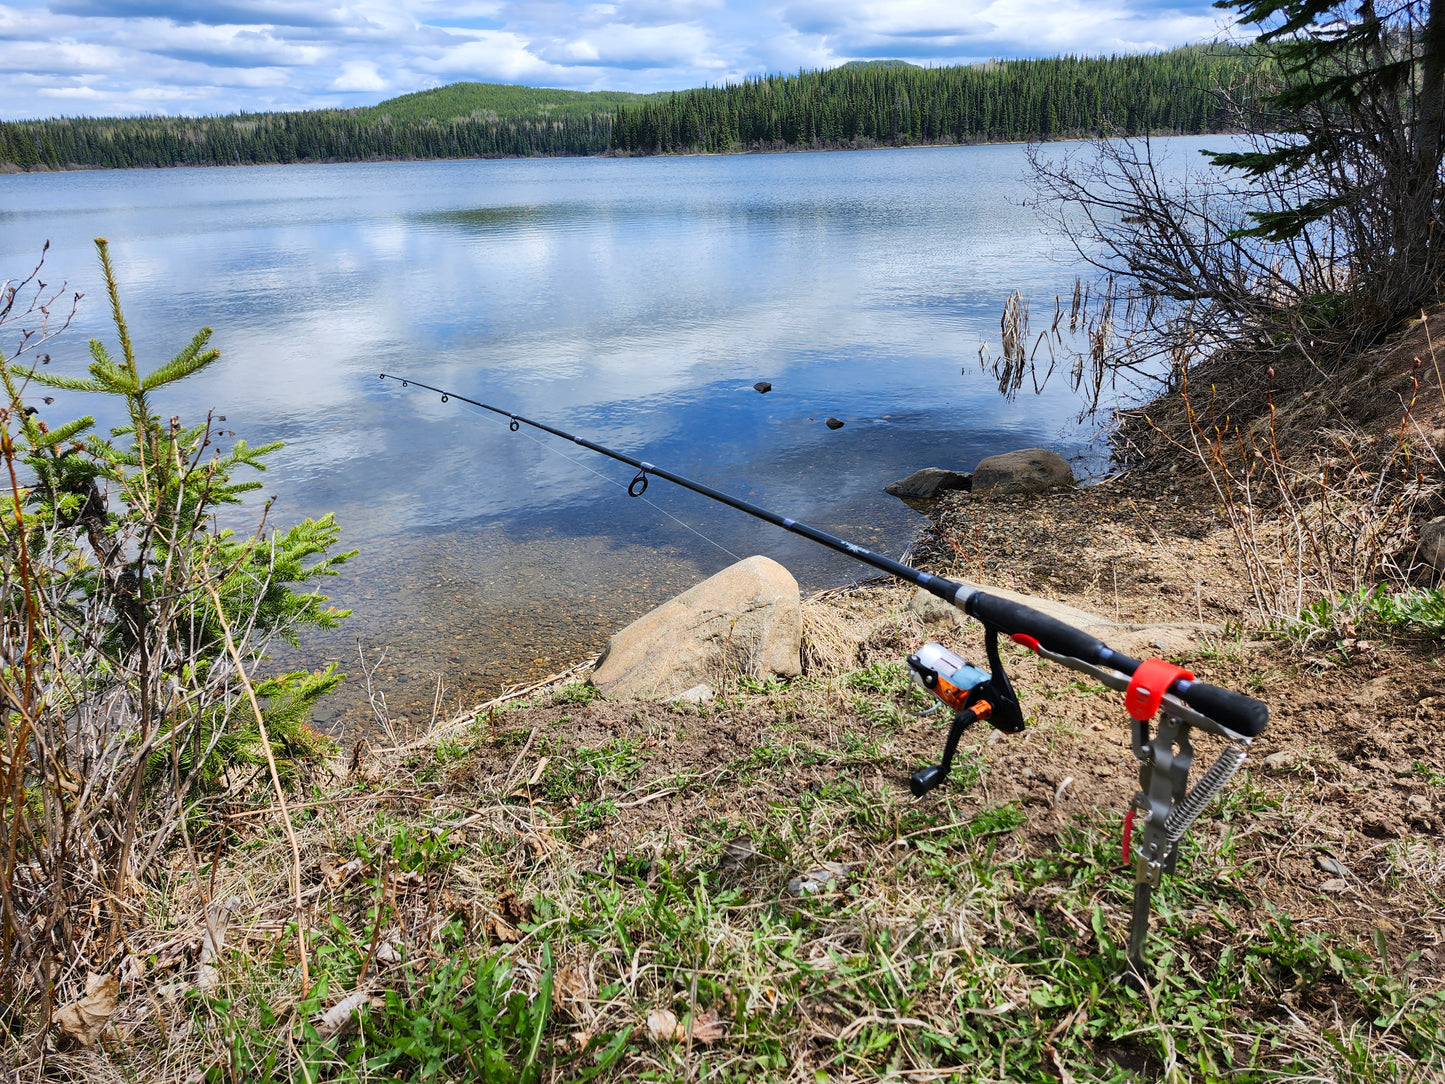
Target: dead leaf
496,928
213,940
131,969
340,1016
736,853
1057,1065
173,952
85,1018
513,909
709,1027
539,841
539,771
571,990
662,1025
335,872
577,1041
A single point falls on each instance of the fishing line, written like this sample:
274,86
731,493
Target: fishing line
471,409
1151,686
1041,633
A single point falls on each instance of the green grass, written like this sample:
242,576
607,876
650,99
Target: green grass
967,936
576,693
1417,612
894,971
1432,776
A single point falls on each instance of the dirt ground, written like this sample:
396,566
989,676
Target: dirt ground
561,802
1344,833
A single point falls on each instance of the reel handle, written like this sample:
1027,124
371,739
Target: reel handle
925,779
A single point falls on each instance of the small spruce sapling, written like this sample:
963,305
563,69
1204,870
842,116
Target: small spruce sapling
144,503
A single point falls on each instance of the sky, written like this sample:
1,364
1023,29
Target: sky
196,57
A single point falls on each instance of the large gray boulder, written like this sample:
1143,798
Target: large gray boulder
925,484
1432,542
1031,470
747,619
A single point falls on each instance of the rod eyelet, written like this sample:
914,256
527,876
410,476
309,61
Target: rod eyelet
515,425
446,398
639,485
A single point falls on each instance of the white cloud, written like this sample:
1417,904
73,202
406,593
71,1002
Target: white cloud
487,55
953,30
209,56
72,93
618,45
359,75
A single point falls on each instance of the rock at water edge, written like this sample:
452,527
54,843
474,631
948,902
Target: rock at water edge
932,609
925,484
1031,470
747,619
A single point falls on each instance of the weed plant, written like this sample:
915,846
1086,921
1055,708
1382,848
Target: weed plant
133,632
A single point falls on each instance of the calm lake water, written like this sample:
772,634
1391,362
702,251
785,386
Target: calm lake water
631,301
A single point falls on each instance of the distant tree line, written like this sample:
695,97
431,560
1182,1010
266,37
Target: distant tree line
856,105
311,136
867,105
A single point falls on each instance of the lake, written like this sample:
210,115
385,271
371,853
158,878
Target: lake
630,301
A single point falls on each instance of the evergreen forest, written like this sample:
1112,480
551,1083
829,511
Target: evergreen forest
1171,93
884,103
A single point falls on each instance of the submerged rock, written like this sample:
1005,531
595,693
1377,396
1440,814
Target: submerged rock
747,619
1030,470
835,423
762,386
925,484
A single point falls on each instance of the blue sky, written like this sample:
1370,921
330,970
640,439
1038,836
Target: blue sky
116,57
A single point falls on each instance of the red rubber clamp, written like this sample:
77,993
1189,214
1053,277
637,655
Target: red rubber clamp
1128,832
1025,640
1148,686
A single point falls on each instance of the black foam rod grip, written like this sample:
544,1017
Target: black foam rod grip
925,779
1241,714
1052,634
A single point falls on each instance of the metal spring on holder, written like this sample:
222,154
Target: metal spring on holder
1203,792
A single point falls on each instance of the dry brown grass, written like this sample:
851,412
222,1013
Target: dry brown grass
649,849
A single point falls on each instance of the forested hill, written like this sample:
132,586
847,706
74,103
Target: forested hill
493,101
889,104
883,103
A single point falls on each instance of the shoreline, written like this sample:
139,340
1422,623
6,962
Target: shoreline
675,882
8,169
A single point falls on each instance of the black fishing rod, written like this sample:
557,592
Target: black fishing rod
1241,714
1165,805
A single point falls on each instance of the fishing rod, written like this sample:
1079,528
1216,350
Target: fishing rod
1241,714
1165,806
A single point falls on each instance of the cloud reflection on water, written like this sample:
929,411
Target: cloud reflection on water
631,301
